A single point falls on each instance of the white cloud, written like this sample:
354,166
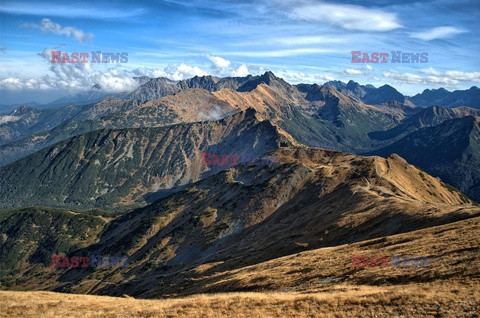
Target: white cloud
351,17
173,72
403,77
8,118
220,67
183,71
73,10
434,77
153,73
430,71
257,69
354,71
11,83
297,77
241,71
214,114
463,76
74,76
48,26
437,33
115,81
218,61
324,78
358,71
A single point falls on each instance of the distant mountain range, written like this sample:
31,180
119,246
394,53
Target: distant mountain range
335,116
442,97
429,97
25,121
160,87
369,94
154,88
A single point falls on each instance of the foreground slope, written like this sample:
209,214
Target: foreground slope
249,214
317,283
451,250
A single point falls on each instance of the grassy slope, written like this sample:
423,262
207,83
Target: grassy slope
31,235
307,285
313,199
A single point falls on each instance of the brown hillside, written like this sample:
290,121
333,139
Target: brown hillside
318,283
249,214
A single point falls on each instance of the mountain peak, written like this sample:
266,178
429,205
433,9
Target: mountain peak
386,86
267,78
383,94
336,84
22,110
269,74
352,84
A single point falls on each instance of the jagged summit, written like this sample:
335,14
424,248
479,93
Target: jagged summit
267,78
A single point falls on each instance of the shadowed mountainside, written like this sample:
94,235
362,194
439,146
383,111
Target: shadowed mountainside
120,168
450,150
249,214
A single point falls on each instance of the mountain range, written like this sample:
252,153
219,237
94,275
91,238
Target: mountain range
361,171
430,97
346,117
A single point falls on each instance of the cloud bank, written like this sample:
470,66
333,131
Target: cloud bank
350,17
48,26
437,33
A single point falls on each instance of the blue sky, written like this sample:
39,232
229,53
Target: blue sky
305,41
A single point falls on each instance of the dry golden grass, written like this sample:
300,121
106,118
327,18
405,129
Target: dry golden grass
317,283
453,252
424,300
